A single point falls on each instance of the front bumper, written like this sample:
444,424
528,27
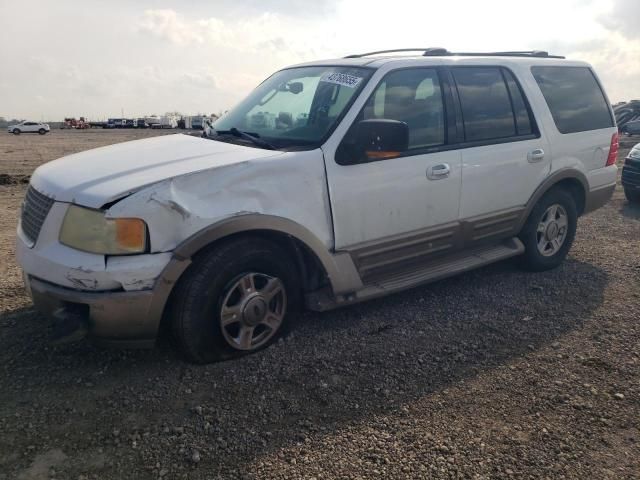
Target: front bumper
128,319
631,174
120,299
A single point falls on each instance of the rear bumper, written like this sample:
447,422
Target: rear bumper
128,319
598,197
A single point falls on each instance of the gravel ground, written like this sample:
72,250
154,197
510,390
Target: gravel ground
493,374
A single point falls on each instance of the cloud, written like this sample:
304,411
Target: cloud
247,34
623,18
166,24
159,55
288,8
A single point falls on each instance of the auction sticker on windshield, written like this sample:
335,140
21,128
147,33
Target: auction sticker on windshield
343,79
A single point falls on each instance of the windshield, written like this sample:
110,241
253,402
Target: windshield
297,106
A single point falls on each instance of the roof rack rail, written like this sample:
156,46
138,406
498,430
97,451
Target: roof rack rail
443,52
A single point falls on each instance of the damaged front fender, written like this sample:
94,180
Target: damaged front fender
292,186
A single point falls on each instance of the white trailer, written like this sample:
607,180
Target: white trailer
194,122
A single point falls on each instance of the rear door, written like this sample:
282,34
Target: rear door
504,155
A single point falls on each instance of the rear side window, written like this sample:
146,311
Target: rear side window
520,111
486,105
574,97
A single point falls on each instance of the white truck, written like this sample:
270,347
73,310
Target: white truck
399,169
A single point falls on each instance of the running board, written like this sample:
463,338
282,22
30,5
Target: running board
410,277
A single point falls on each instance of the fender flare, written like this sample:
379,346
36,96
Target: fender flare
341,271
550,182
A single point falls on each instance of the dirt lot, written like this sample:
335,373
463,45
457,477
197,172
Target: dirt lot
20,155
493,374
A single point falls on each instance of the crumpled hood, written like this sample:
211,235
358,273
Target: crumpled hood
96,177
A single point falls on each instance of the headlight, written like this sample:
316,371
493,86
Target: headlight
88,230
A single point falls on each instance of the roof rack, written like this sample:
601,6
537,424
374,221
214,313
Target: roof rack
443,52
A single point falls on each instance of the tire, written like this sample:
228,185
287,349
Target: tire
215,283
546,237
633,196
42,131
16,131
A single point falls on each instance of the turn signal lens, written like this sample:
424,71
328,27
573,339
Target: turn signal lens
130,234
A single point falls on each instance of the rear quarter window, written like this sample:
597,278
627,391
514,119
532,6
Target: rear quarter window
575,99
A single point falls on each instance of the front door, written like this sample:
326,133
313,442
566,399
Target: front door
403,209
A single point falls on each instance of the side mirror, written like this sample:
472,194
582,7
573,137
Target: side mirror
293,87
296,87
378,139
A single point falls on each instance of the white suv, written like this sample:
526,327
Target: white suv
28,127
332,183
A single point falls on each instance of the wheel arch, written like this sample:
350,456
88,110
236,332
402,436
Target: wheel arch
312,257
571,180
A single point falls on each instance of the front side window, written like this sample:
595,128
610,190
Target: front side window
486,106
297,106
412,96
574,97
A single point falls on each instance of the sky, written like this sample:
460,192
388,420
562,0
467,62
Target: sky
96,59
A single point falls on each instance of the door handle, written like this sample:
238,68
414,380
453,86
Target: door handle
535,155
436,172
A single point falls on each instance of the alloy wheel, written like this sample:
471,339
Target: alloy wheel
252,310
552,230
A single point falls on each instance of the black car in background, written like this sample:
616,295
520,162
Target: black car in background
631,175
631,128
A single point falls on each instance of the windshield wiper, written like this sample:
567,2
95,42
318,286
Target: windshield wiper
247,136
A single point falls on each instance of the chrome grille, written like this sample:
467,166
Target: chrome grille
35,209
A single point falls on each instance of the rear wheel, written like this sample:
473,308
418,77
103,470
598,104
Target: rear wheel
549,231
16,131
235,299
633,196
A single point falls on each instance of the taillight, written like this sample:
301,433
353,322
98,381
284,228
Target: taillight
613,150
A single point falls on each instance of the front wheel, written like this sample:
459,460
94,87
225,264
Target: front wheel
42,131
235,299
16,131
549,231
633,196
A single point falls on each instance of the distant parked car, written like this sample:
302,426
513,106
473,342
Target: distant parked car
631,175
631,128
28,127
